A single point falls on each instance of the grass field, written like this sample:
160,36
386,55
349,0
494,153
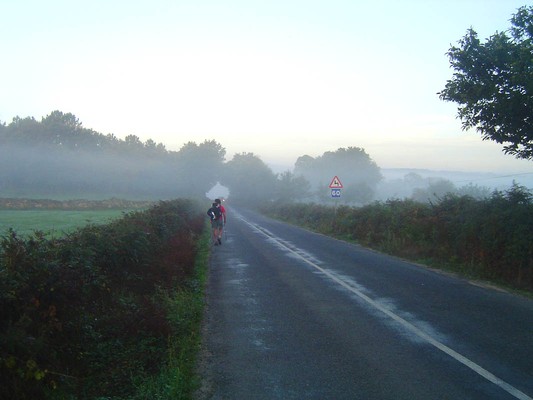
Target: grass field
53,223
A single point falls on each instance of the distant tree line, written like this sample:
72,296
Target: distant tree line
58,158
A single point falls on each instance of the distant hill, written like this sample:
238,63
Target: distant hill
461,178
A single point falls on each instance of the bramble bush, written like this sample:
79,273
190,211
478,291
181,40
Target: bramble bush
83,315
490,239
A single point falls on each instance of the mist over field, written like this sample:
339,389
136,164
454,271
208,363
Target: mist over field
59,158
59,173
408,183
50,172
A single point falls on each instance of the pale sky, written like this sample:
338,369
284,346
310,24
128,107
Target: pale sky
279,78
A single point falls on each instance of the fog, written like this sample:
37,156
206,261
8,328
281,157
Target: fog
64,173
29,171
410,183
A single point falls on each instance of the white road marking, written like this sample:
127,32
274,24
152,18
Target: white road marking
412,328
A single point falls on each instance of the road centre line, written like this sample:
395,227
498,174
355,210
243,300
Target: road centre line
412,328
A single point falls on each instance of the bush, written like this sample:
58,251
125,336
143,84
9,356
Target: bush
83,314
489,238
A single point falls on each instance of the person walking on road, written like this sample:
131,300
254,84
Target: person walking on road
215,214
223,211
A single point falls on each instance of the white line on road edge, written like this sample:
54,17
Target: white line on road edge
452,353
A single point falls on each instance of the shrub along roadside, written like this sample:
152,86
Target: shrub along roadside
108,311
488,239
176,379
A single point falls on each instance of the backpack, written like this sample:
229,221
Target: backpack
214,213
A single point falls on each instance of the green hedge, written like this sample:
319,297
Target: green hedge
87,315
490,239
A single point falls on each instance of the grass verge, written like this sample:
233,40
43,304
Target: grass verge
177,379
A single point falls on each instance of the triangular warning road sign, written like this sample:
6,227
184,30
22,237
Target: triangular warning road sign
336,183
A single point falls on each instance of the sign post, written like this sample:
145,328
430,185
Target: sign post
335,187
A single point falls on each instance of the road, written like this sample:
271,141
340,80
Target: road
296,315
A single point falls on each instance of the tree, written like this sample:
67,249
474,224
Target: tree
360,193
155,149
62,129
493,85
59,118
357,171
198,166
134,144
436,190
290,188
22,131
474,191
249,179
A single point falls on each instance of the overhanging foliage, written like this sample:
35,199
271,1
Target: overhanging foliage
493,84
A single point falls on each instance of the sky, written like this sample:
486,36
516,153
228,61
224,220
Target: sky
277,78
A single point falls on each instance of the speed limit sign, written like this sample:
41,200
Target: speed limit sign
335,193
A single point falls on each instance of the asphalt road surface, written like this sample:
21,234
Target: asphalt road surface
296,315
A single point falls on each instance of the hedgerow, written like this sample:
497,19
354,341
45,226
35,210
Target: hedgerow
490,239
87,315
